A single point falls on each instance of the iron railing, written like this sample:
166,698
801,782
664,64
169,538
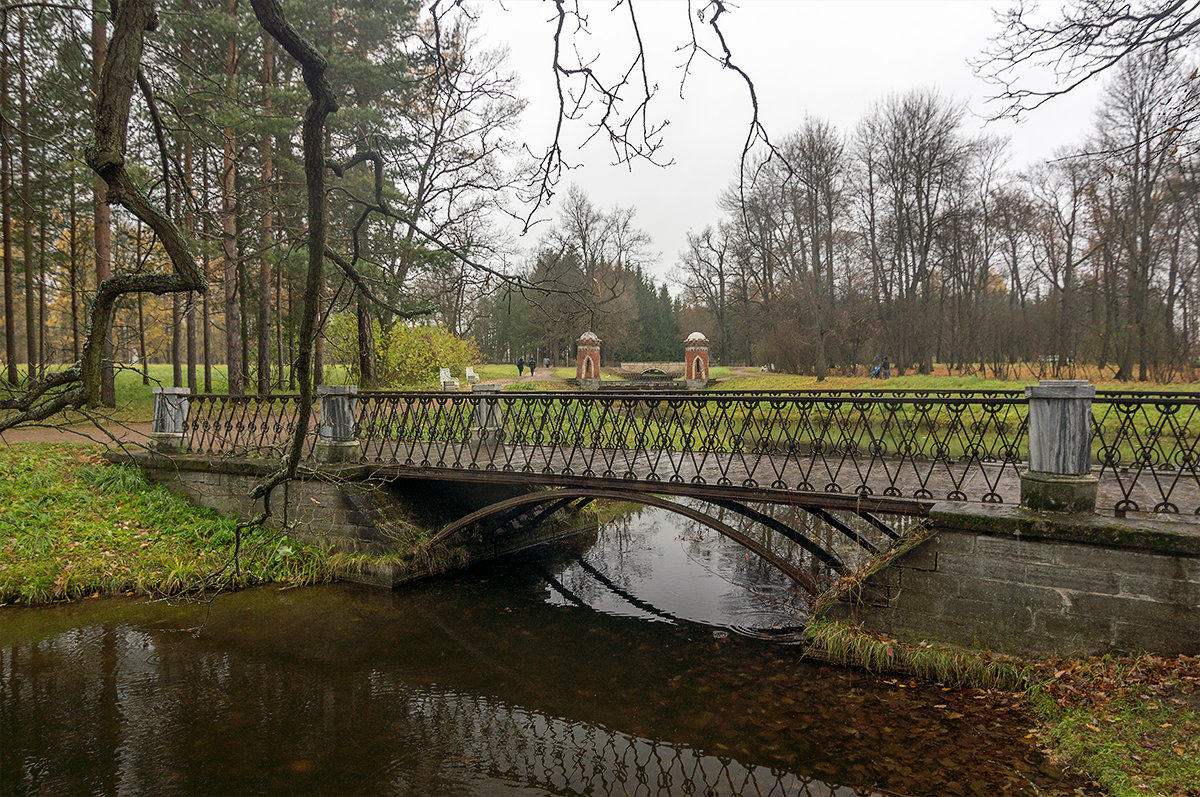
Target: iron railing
926,448
241,426
919,445
1146,449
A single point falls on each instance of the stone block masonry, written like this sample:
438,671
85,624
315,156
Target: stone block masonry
345,507
1037,584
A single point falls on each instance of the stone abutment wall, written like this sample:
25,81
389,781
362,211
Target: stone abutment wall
348,508
1036,584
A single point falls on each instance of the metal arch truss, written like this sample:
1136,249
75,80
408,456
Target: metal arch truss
553,500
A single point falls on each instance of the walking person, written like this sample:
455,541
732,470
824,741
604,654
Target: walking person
521,367
532,364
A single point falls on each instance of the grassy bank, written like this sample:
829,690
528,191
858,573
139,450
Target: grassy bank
1131,723
73,526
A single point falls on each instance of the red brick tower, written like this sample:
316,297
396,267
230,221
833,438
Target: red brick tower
587,364
695,358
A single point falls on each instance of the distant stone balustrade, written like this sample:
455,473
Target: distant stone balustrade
639,370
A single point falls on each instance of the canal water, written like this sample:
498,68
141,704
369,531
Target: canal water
647,658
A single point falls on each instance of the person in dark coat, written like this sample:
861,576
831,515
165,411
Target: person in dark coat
532,364
521,367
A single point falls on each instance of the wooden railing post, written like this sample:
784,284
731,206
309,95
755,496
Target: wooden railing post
336,441
170,413
1059,477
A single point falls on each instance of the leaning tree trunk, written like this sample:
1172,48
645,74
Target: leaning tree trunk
270,16
81,384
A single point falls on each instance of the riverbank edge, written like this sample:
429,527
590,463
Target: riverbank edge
303,562
1118,742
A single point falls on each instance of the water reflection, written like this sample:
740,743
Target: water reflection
483,683
656,566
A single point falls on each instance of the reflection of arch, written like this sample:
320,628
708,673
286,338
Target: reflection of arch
776,525
546,496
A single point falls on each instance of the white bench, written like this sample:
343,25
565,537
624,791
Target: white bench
448,382
472,377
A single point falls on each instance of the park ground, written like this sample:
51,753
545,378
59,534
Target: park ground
130,420
73,527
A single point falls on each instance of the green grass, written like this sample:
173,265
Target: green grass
778,381
1130,722
852,646
135,400
72,526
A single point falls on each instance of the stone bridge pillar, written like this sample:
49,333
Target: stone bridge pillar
170,413
695,360
587,364
1059,478
488,420
336,441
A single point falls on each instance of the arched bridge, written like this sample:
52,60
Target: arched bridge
869,453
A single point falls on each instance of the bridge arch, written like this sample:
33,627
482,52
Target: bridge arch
570,493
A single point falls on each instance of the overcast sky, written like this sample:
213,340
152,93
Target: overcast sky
831,60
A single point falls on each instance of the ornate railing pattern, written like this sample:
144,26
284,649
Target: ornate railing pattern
922,445
1147,450
928,447
244,425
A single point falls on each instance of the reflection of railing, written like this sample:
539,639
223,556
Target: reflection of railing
922,445
529,748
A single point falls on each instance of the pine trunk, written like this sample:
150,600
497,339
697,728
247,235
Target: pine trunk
73,268
206,314
233,317
31,324
266,232
142,341
102,215
10,323
42,344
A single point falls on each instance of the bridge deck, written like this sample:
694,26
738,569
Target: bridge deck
871,484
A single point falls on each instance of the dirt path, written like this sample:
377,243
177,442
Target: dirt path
136,433
542,374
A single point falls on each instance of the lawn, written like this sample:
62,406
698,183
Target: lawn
73,526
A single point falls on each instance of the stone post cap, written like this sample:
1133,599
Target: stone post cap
337,390
486,388
171,391
1061,389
